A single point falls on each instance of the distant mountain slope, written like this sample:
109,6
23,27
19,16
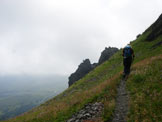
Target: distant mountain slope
100,85
20,93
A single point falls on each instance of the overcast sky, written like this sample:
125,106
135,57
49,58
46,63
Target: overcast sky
45,37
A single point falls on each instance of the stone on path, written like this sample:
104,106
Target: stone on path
88,113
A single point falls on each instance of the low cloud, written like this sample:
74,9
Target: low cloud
42,37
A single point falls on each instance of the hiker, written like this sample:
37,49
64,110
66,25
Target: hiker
128,56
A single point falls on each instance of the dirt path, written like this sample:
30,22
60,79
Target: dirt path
121,103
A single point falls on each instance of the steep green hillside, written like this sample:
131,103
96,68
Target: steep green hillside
143,84
145,88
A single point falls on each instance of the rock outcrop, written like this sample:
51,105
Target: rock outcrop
106,54
156,29
138,36
84,68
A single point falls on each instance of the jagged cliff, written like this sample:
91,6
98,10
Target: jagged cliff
106,54
85,67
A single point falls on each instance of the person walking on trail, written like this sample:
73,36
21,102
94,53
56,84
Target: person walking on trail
128,56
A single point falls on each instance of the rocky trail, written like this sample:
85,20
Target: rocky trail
121,109
91,112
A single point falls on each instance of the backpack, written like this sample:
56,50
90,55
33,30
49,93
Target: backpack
127,52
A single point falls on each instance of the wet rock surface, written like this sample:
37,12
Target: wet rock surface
89,112
121,109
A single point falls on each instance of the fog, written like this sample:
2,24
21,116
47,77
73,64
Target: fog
49,37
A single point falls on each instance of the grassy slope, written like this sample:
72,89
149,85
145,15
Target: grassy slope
145,82
101,84
145,87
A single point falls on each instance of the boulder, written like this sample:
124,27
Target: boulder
88,113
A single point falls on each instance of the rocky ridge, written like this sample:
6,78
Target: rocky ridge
86,66
156,29
106,54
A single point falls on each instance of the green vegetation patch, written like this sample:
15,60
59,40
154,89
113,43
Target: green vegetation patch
145,88
110,93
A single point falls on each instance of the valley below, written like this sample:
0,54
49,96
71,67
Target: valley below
19,94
